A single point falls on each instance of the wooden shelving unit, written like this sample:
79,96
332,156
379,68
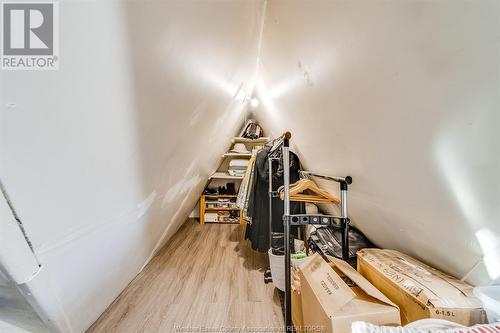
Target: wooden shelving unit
259,141
204,208
222,176
237,155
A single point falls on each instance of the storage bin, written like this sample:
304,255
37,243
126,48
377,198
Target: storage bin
210,217
277,265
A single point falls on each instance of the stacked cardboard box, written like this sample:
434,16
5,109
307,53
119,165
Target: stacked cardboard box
333,296
419,290
389,288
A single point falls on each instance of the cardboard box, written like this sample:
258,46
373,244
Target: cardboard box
329,304
297,318
419,290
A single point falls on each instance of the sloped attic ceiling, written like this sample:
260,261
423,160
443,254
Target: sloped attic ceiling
405,97
105,158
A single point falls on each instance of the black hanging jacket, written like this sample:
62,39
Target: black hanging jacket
258,205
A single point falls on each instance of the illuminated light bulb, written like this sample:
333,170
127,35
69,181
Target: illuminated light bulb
254,103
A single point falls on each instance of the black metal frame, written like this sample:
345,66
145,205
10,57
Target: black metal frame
272,194
303,219
274,156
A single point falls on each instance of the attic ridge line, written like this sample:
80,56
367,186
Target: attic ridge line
261,34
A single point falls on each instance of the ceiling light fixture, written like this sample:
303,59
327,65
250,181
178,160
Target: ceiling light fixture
254,103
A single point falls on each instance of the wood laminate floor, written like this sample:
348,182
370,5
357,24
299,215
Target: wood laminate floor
206,276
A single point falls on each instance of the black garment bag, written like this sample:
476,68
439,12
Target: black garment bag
328,241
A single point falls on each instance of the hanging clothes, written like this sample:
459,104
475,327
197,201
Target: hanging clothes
245,188
258,206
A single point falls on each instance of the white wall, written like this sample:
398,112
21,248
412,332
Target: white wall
105,158
405,97
16,315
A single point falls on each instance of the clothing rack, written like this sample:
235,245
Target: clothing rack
278,143
304,219
343,218
274,155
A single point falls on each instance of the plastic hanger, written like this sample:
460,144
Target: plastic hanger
315,194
